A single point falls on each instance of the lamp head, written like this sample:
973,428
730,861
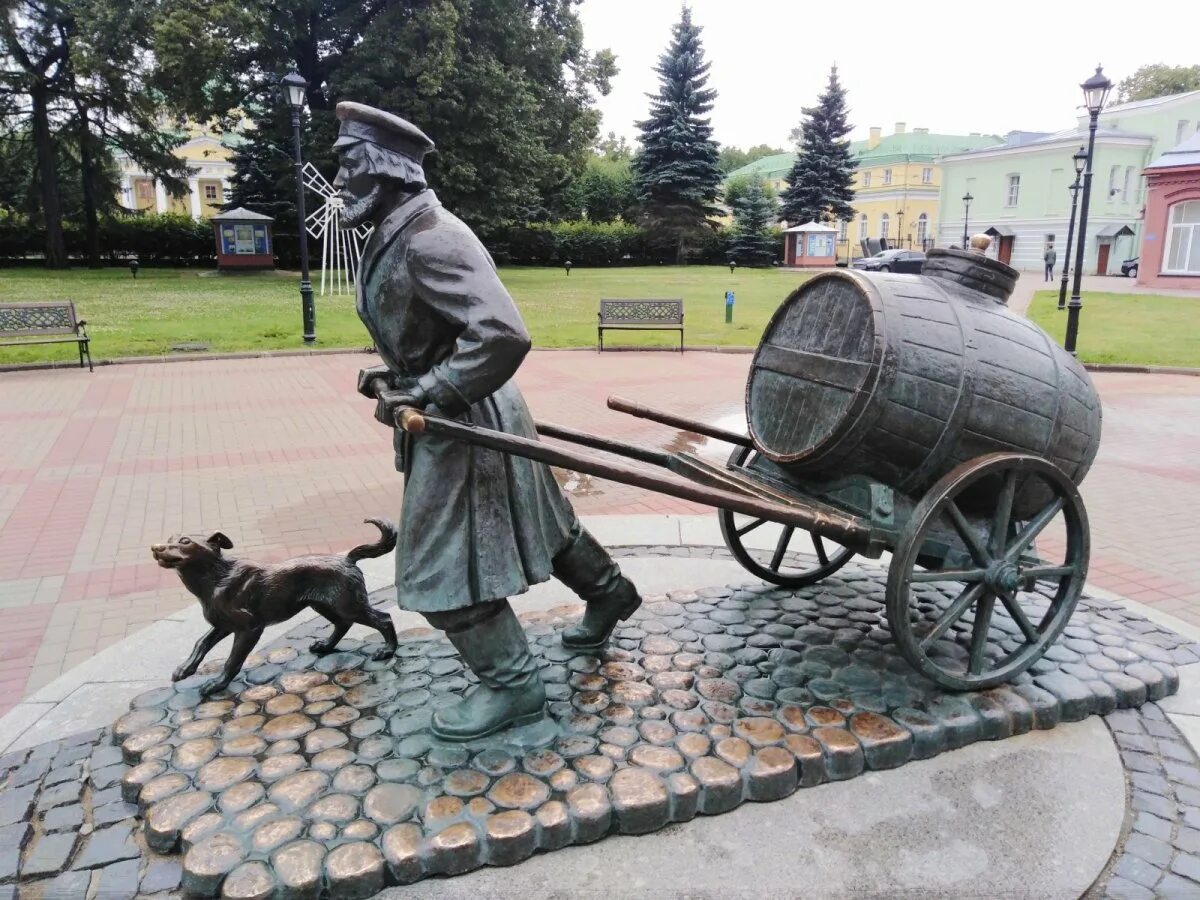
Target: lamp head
967,198
1080,160
293,88
1095,91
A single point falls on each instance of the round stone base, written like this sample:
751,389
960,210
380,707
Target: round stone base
316,774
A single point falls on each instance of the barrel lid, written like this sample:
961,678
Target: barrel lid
971,269
809,376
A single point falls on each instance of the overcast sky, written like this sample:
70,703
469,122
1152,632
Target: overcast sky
949,67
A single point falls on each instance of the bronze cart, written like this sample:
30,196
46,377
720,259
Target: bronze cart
906,414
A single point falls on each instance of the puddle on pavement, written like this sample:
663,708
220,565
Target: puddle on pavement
575,484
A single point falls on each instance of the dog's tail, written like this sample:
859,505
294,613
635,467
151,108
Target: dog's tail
385,544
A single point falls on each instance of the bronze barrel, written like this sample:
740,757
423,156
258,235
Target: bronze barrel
903,377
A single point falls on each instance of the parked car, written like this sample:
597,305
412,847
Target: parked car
1129,267
892,261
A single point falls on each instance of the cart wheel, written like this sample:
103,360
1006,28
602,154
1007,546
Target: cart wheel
830,556
1003,564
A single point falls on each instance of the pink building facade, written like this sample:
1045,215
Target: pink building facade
1170,254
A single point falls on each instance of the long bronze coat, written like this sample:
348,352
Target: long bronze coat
476,525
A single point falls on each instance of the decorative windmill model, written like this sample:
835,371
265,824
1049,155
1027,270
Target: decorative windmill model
340,247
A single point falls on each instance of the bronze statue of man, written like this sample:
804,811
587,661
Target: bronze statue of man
477,526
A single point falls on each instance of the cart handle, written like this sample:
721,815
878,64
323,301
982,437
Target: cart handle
842,528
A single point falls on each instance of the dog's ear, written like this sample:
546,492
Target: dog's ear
218,539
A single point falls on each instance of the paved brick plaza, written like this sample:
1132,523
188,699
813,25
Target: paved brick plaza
284,457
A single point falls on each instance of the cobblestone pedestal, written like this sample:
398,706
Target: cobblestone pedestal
316,774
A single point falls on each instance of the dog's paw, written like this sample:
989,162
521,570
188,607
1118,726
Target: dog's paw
320,647
183,672
383,653
213,686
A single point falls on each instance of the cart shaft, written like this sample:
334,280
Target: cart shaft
620,448
620,404
844,529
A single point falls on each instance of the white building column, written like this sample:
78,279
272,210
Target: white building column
160,197
194,195
127,198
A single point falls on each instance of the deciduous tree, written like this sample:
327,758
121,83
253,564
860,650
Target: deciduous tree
1158,80
733,158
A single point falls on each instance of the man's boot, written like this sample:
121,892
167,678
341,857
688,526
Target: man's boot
510,690
587,569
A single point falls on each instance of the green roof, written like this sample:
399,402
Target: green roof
911,146
916,146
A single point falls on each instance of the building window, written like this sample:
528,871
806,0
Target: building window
210,193
866,179
1125,184
927,176
1014,190
1183,239
884,220
1112,181
887,176
143,190
843,229
922,228
862,226
1181,130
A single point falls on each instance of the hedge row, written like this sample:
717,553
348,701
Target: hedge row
180,240
608,244
175,239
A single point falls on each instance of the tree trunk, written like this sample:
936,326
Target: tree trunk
43,141
87,167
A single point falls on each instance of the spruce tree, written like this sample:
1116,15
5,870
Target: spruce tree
751,242
676,173
818,186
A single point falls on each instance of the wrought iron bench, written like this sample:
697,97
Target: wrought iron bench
641,315
25,324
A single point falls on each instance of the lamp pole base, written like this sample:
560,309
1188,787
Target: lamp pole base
309,311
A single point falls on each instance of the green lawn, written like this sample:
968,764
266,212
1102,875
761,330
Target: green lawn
1138,329
145,316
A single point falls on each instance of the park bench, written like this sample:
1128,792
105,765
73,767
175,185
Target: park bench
25,324
641,315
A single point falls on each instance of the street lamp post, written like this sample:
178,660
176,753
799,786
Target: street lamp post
1095,93
899,227
1080,158
967,198
293,88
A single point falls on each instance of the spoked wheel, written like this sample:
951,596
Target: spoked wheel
772,564
1009,605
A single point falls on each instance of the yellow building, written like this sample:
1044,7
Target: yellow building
896,185
210,170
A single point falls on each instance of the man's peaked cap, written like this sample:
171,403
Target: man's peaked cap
366,123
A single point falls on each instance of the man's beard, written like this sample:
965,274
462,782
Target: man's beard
357,211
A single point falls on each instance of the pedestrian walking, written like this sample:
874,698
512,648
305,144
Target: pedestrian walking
1050,258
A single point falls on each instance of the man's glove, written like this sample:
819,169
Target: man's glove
406,393
375,379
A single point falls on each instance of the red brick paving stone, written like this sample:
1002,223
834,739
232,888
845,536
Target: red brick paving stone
286,458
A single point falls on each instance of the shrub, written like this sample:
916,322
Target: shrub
584,243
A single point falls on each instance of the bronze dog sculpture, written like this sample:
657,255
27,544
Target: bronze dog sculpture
242,598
